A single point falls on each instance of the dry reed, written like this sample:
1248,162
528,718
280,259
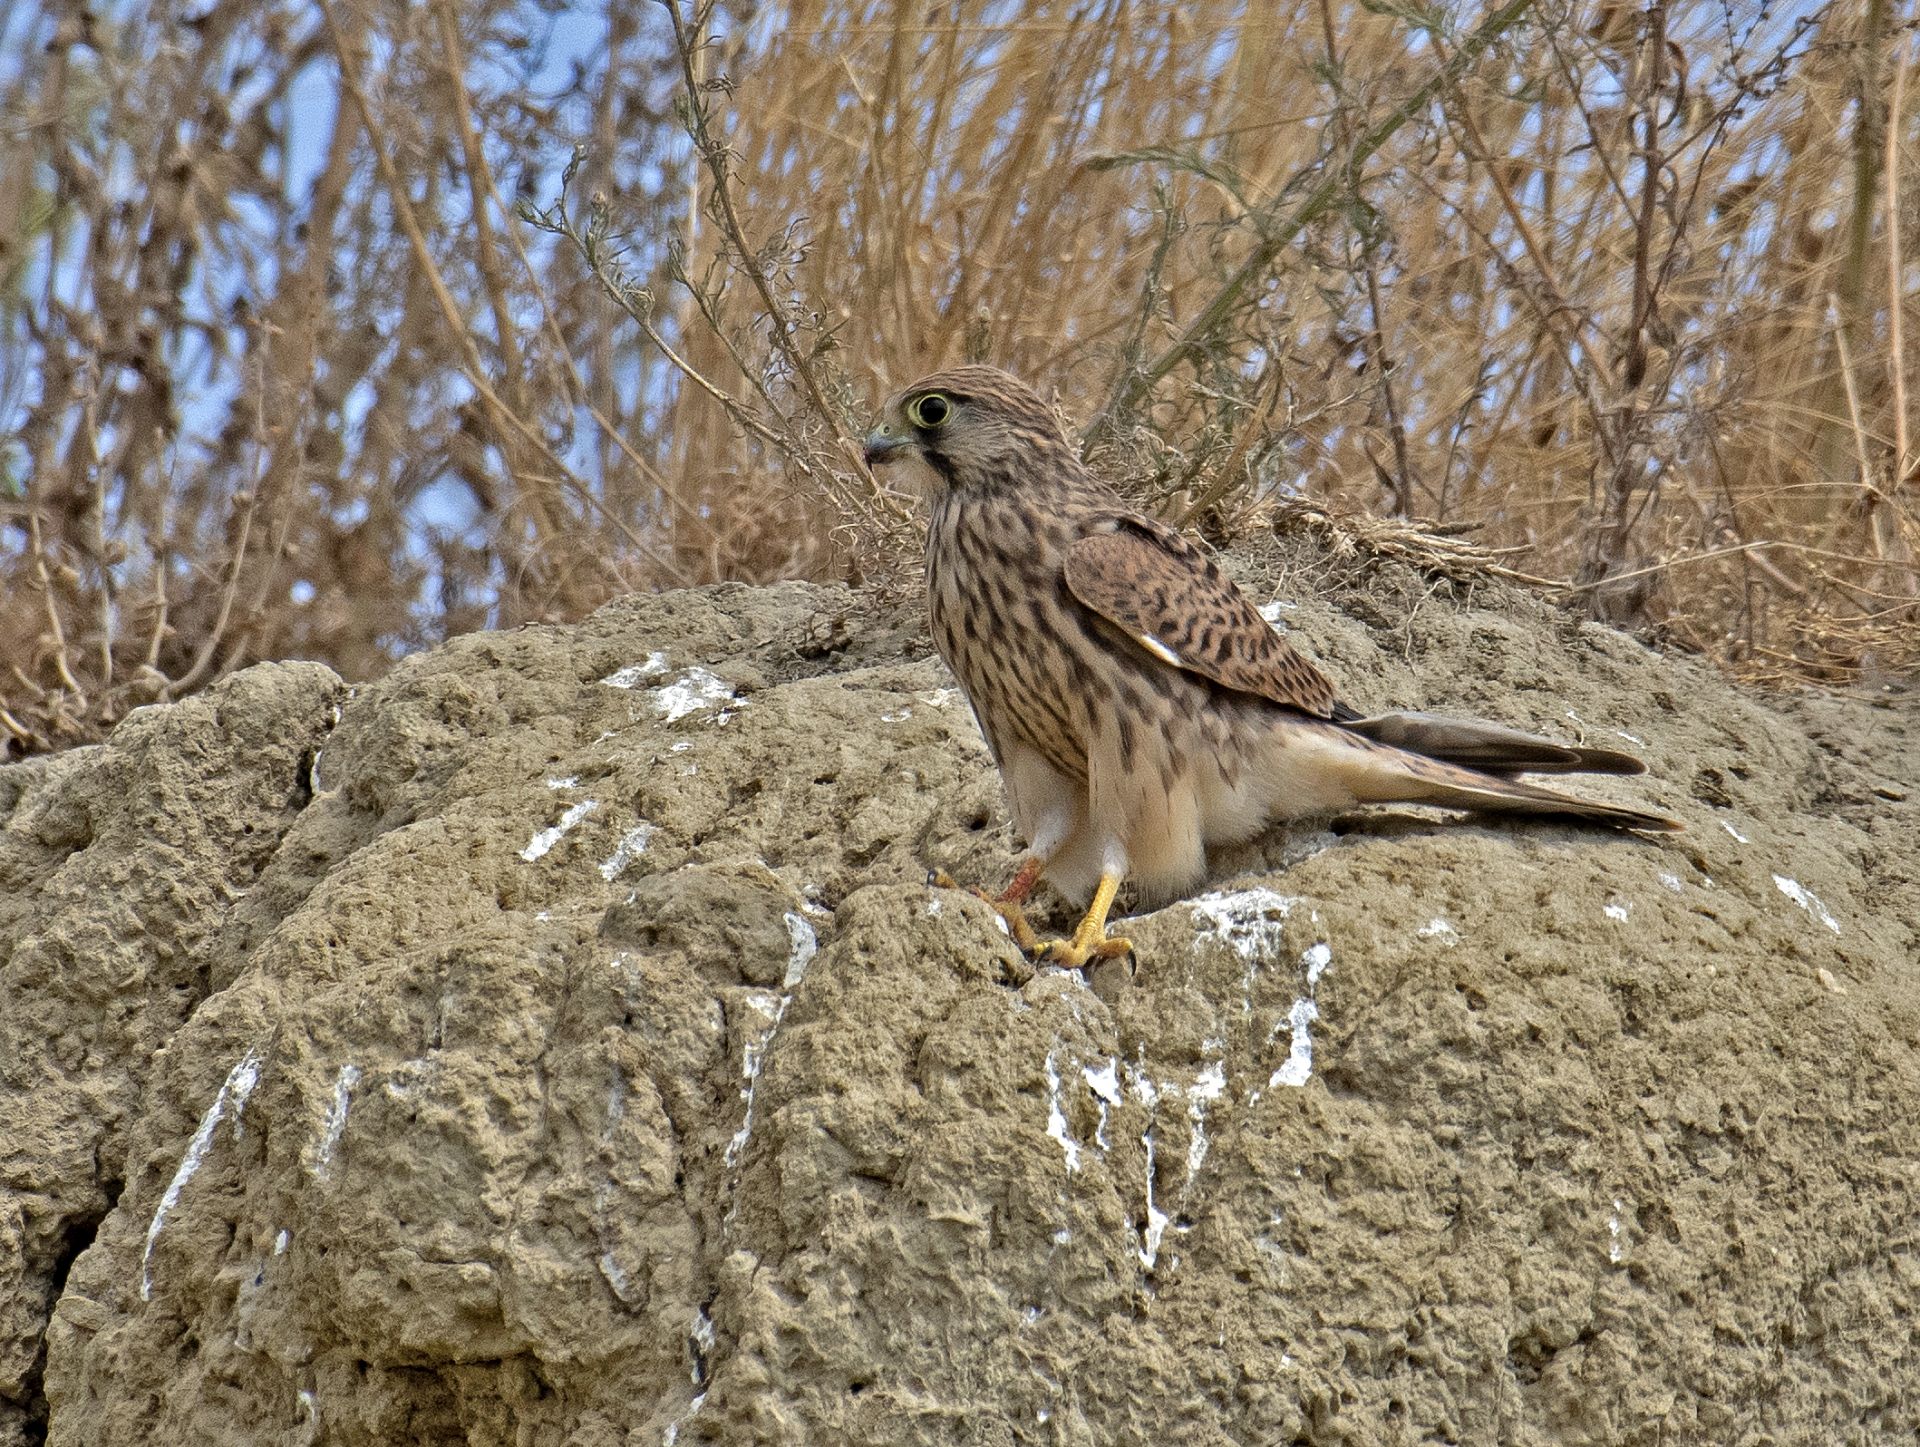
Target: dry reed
305,351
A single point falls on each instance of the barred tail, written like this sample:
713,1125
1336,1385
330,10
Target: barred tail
1377,773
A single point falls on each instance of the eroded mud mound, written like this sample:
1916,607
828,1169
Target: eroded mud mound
557,1042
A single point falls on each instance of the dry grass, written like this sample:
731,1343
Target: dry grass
1622,288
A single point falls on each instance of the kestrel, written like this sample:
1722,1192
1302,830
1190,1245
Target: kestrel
1137,704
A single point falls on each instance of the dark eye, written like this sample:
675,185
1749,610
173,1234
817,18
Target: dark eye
930,411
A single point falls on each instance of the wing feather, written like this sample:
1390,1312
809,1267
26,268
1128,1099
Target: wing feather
1169,598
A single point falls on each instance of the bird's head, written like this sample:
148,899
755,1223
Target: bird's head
976,429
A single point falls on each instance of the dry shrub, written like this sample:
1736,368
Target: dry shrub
292,366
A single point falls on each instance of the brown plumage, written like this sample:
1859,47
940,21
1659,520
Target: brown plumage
1138,705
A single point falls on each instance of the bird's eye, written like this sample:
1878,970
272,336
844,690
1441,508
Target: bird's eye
931,410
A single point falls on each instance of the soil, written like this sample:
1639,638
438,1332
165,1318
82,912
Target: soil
559,1042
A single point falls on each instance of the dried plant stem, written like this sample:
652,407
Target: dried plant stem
1666,565
1870,496
580,487
202,667
479,185
1229,477
558,340
714,153
549,526
55,631
1896,272
396,187
1652,161
1403,483
1889,523
1200,332
105,599
1581,281
1558,308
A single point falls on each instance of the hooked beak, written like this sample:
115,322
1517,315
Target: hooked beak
884,444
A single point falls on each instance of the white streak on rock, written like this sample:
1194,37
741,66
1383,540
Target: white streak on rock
280,1243
567,783
1630,738
336,1126
1104,1082
1438,929
1316,959
803,944
1807,900
1272,611
236,1087
627,677
631,846
1143,1087
1734,832
1672,882
1298,1068
547,838
1057,1120
1105,1085
694,689
409,1076
616,1103
672,1434
1209,1086
240,1082
1615,1248
616,1276
1157,1219
1621,912
1247,920
752,1052
703,1340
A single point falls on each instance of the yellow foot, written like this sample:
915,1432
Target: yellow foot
1078,952
1007,908
1090,941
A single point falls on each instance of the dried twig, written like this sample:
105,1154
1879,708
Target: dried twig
689,41
202,668
1277,235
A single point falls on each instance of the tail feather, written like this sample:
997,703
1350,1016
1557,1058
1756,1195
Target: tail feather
1378,773
1487,748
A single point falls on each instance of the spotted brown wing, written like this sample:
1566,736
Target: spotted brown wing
1171,599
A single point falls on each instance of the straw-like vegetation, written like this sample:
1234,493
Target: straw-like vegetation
334,328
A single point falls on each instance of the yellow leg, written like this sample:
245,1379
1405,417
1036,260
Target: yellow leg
1090,941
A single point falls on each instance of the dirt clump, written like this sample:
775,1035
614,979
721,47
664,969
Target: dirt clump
558,1041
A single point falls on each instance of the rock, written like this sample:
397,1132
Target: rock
558,1042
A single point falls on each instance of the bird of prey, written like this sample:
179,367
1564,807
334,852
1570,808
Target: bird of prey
1137,704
